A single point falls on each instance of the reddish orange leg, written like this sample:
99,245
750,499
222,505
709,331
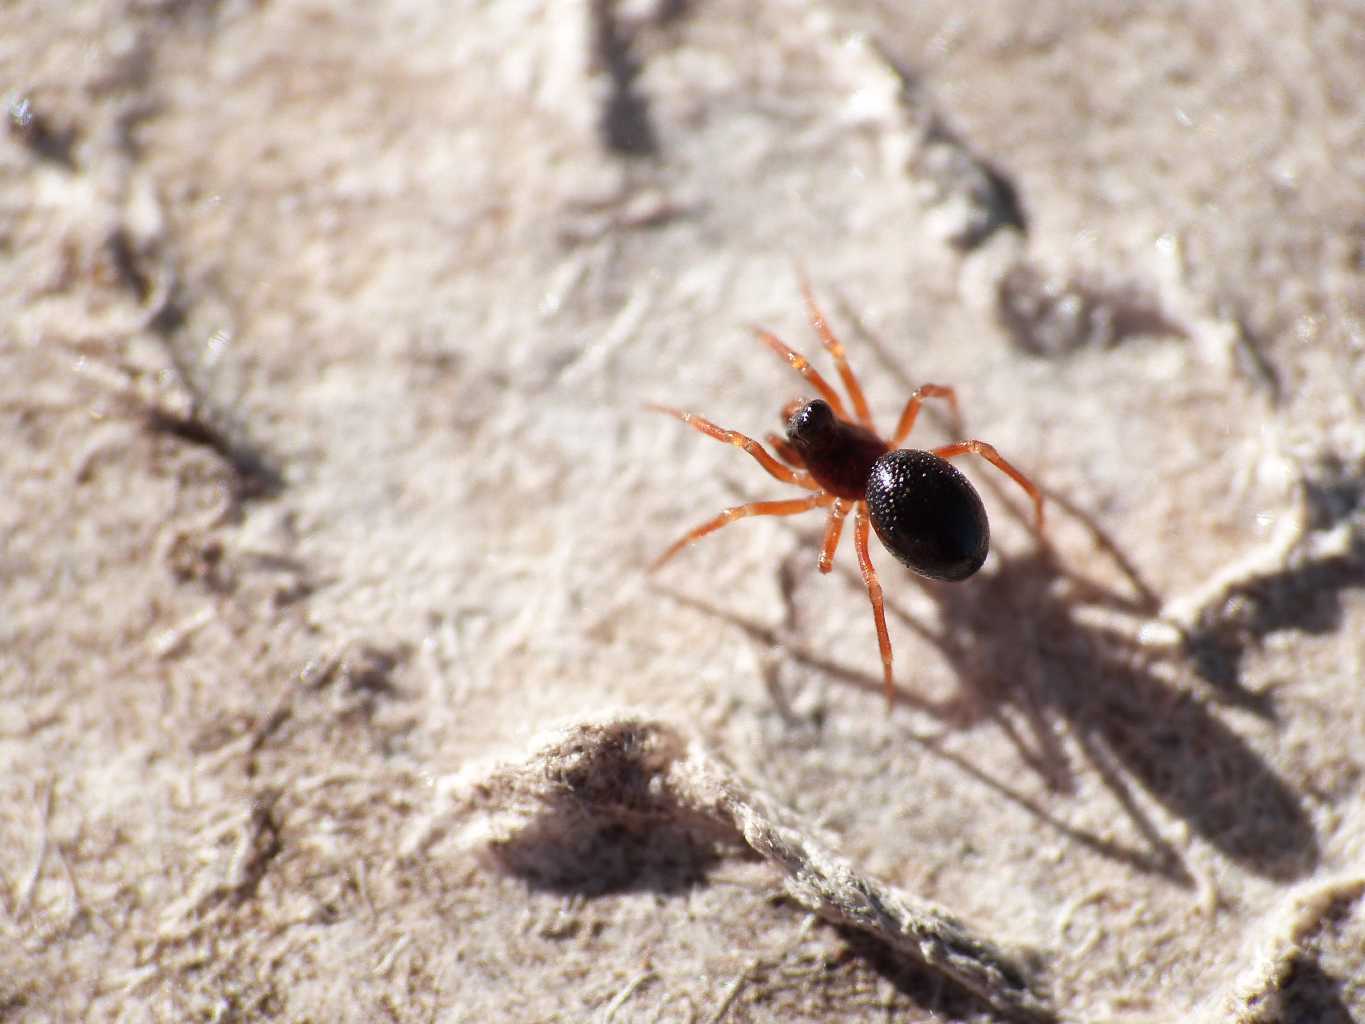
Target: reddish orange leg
997,460
802,366
836,348
907,422
874,593
837,511
792,507
739,440
786,451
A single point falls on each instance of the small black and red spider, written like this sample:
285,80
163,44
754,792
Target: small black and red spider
926,513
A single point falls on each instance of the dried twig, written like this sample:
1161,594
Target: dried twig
642,775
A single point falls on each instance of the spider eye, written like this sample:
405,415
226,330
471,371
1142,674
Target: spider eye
812,424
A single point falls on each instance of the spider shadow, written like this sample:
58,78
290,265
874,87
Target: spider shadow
1163,861
1029,659
1024,641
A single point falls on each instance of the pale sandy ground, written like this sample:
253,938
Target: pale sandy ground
327,497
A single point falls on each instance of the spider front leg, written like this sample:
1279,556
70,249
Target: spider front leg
743,441
997,460
792,507
874,593
802,365
836,349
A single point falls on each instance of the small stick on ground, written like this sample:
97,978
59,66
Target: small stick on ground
640,775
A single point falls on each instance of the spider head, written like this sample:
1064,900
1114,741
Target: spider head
813,426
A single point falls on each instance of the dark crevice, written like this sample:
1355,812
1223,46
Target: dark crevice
45,140
625,124
1305,595
981,197
265,845
1053,318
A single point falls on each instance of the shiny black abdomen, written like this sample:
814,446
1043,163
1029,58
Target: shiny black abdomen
928,514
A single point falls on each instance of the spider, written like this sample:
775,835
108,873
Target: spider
925,512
